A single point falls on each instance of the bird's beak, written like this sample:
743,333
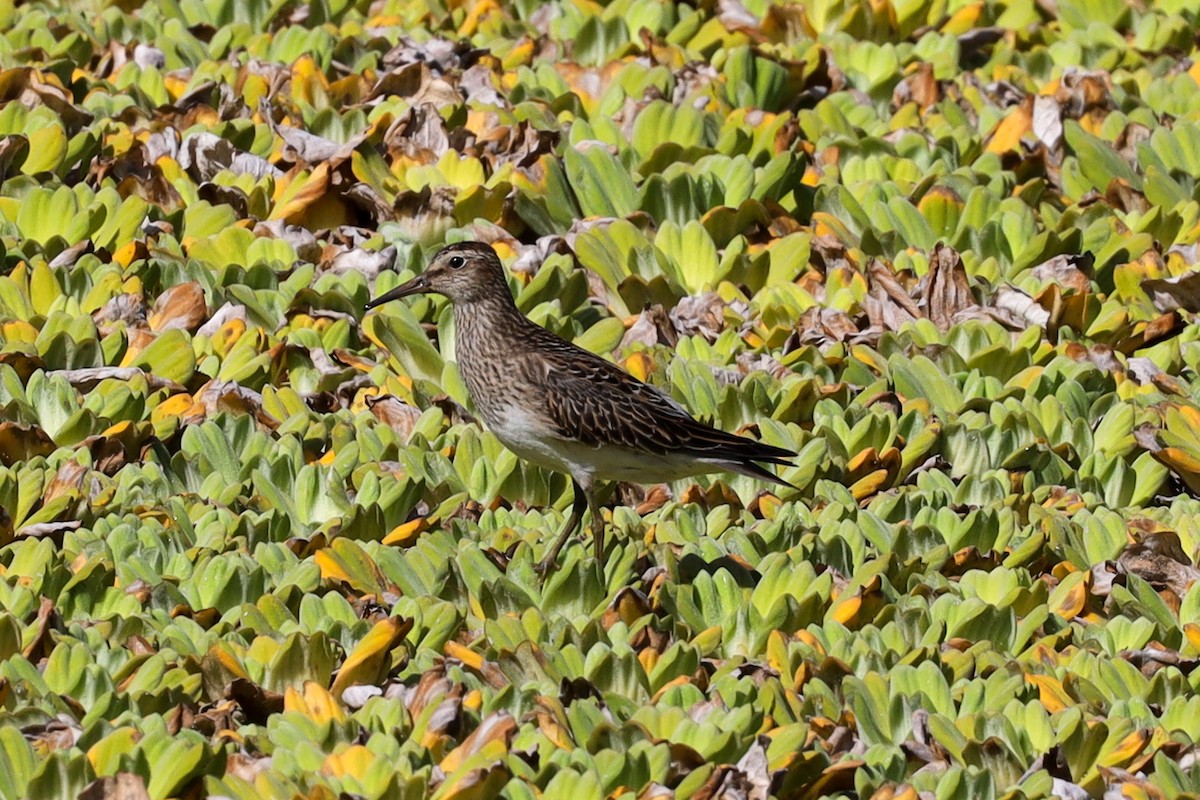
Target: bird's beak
417,285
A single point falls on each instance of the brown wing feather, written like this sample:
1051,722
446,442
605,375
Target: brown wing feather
598,403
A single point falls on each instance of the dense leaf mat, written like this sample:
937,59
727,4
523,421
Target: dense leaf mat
252,544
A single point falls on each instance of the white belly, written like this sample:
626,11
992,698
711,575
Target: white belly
532,440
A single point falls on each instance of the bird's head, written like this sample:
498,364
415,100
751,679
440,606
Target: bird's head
465,272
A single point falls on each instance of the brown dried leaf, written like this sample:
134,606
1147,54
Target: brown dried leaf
395,413
181,306
22,442
947,291
127,308
216,396
1068,271
87,378
700,314
205,155
821,325
1169,294
1158,558
921,87
122,786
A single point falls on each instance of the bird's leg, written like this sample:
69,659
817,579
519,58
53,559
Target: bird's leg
597,521
547,564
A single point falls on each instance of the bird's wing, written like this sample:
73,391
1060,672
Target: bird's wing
593,401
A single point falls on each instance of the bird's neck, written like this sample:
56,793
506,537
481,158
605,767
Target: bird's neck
487,323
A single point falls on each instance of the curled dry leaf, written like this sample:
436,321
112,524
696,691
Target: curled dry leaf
225,314
126,307
206,155
1169,294
85,379
395,413
181,306
216,396
1158,558
653,326
702,315
1067,270
122,786
945,288
1018,310
1047,122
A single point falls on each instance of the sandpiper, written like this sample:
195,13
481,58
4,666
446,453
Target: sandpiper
563,408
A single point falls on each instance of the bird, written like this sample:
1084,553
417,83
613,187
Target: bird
564,408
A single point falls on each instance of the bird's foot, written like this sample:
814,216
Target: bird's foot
545,567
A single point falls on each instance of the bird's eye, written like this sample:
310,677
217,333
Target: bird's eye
457,262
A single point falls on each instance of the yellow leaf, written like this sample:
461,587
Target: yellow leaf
480,10
406,533
870,484
846,608
18,331
294,197
315,703
963,20
354,761
1069,598
1192,631
331,568
467,656
1183,463
1126,750
1007,135
639,365
307,80
369,661
1050,692
129,252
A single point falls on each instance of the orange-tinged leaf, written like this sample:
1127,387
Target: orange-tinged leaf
1050,692
331,567
1184,464
1007,135
370,660
406,533
294,197
870,484
639,365
1192,631
464,654
846,608
355,760
129,252
553,730
1127,749
1069,598
315,702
